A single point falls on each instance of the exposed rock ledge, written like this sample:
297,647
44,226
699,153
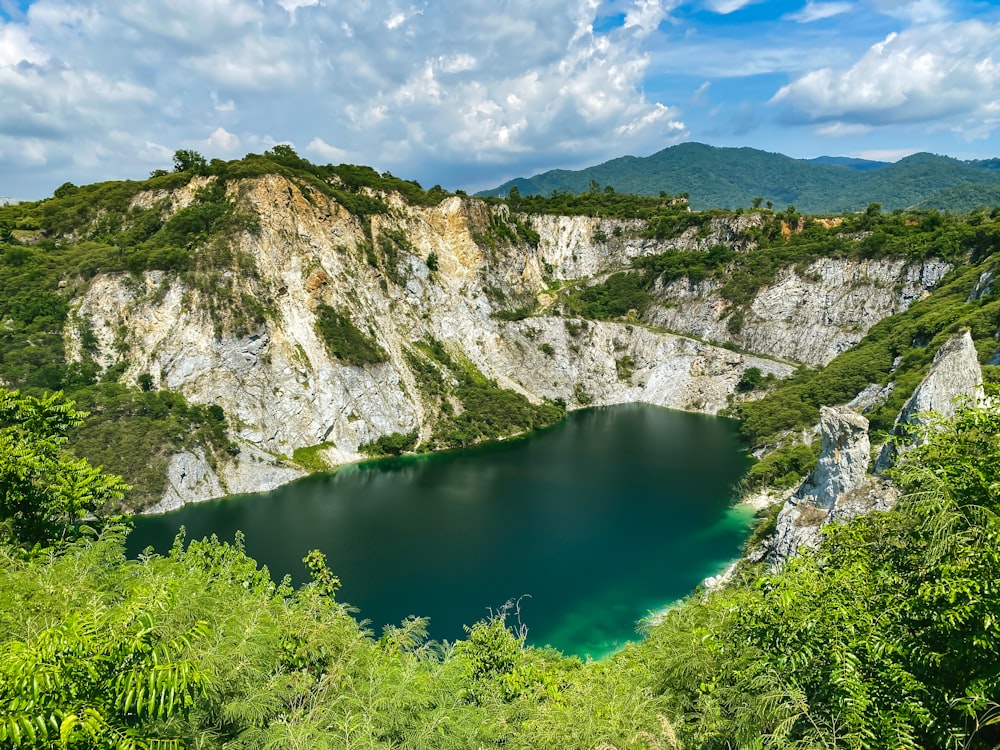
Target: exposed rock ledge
840,488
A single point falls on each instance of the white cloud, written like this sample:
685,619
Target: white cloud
886,154
453,83
395,20
725,7
293,5
192,22
647,15
914,11
814,11
944,73
843,129
222,140
325,151
16,47
252,63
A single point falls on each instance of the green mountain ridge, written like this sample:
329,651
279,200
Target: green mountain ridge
732,178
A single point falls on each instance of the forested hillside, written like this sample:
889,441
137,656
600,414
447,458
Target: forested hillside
733,178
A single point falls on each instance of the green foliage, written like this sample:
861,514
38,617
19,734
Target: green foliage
613,298
506,228
580,394
625,367
46,493
134,433
94,681
186,160
345,341
488,412
887,636
310,458
392,444
750,380
783,467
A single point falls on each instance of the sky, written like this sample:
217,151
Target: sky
469,93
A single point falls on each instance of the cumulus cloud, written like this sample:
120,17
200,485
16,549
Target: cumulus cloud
938,73
818,11
222,140
403,84
886,154
647,15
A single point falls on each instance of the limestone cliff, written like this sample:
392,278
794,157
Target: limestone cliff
840,488
245,334
809,315
842,469
954,377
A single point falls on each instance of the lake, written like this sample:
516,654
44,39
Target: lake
593,523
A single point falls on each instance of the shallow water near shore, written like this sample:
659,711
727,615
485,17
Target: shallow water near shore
593,523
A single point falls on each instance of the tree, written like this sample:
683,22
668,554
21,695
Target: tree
45,492
67,188
757,202
186,160
95,681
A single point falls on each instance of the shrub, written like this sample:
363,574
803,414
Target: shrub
345,341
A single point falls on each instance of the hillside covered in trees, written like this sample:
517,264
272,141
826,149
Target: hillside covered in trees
734,177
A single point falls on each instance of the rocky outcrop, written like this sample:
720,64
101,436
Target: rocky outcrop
841,471
954,377
840,488
808,315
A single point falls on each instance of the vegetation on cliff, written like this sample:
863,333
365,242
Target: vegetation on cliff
887,636
774,247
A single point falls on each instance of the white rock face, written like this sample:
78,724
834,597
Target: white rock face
281,389
841,470
844,454
810,317
189,479
568,246
839,489
954,377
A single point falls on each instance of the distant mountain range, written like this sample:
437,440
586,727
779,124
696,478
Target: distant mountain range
732,177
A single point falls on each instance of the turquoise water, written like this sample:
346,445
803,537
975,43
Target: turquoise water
595,522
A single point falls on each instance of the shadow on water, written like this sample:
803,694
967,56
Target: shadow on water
598,520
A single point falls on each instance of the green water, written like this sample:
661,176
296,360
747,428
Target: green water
597,521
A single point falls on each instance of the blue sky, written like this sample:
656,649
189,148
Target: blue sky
469,94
